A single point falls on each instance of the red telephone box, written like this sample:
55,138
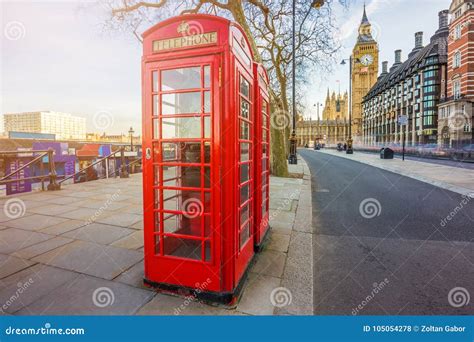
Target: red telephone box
262,153
199,165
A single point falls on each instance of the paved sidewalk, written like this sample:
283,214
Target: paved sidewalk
451,178
80,251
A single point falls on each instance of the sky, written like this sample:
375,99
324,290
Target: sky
56,55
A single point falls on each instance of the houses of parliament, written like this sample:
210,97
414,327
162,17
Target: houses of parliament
333,126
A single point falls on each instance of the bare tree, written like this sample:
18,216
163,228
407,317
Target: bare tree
268,24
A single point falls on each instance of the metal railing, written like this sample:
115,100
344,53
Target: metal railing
123,173
52,175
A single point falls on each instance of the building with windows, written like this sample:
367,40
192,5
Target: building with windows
456,110
414,89
65,126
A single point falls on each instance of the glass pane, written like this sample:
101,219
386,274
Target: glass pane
183,103
207,102
182,176
183,248
245,109
182,152
207,76
207,251
207,127
155,81
207,152
244,130
157,244
264,165
156,175
156,129
244,193
157,222
207,226
244,87
207,177
244,215
182,224
178,128
185,78
264,106
244,152
244,173
155,104
244,235
156,197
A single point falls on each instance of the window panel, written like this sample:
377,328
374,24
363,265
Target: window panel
182,103
179,128
244,152
244,130
178,79
182,248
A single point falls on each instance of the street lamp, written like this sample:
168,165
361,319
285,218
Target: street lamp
293,159
351,61
131,132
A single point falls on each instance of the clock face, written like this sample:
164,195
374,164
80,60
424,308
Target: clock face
367,60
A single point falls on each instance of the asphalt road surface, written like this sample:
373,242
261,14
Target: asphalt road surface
384,244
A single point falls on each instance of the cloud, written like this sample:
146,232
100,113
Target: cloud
351,25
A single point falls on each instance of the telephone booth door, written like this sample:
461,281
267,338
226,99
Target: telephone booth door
181,103
245,170
262,154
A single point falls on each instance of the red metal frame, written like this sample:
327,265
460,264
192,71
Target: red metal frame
262,150
207,166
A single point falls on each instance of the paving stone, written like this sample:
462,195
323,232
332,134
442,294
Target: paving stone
101,261
33,282
83,214
13,239
42,247
133,209
10,265
138,225
99,233
278,242
35,222
90,296
169,305
52,209
122,219
257,293
63,227
64,200
133,276
41,196
132,241
270,263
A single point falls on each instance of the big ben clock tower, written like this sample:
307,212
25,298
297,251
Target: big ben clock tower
365,68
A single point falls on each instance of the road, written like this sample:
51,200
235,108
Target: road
384,245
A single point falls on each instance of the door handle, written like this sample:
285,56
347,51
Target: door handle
148,153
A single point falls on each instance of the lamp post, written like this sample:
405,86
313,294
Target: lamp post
293,159
351,61
318,105
131,132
